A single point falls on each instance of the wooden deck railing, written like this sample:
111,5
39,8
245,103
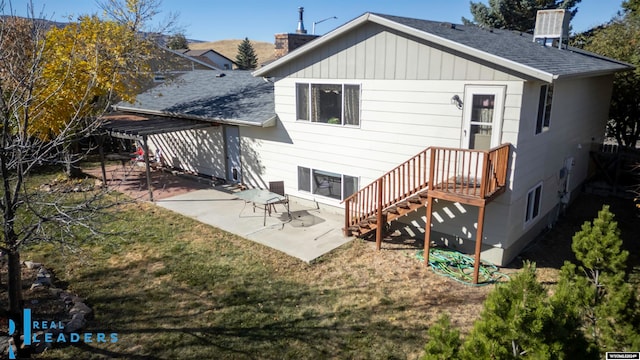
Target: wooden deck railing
407,179
469,172
475,173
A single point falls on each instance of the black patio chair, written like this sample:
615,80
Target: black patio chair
277,187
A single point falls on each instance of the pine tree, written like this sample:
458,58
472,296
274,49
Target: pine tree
517,15
519,320
246,58
444,341
608,304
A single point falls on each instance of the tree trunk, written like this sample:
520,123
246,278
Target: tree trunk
14,270
72,169
15,284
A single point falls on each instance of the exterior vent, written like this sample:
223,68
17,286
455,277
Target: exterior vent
552,27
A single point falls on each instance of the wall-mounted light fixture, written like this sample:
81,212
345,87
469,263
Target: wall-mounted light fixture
457,101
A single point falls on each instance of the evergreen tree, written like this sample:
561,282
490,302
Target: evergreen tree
444,341
519,320
517,15
246,58
608,304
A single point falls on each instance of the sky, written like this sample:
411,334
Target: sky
259,20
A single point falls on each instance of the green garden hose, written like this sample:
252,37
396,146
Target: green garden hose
459,267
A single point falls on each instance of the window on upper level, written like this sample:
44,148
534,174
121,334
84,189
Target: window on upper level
544,108
337,104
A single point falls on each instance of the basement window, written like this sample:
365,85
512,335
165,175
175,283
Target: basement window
544,108
533,204
325,183
335,104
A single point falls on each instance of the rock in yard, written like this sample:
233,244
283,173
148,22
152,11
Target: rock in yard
32,265
76,323
80,308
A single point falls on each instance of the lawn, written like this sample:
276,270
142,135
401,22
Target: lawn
172,288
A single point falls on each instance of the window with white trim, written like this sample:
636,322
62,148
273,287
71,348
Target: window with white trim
325,183
337,104
534,198
544,108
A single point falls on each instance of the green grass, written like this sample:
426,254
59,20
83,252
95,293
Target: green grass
173,288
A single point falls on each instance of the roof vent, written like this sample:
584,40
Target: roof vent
552,27
301,29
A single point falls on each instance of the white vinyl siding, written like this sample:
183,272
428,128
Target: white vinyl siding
374,53
195,151
398,120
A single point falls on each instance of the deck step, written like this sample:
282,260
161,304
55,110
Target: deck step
415,199
391,210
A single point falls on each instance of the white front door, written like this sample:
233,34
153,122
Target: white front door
482,117
232,153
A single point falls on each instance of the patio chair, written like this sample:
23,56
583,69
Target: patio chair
277,187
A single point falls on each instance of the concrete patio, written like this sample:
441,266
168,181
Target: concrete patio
307,235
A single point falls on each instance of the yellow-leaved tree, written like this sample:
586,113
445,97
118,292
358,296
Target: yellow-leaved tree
54,85
85,66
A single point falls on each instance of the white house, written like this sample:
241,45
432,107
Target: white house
212,57
373,93
384,116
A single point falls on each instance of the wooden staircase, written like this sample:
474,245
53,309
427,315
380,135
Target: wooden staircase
467,176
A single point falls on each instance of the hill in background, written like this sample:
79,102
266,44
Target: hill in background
229,48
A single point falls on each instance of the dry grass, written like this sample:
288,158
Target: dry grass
229,48
173,288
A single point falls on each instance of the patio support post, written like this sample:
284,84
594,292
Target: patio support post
102,166
476,266
146,163
427,231
379,215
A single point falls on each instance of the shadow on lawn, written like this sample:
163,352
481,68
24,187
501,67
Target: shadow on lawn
246,315
553,247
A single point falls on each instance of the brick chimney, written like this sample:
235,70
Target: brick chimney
287,42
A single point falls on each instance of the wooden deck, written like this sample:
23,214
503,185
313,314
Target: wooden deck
472,177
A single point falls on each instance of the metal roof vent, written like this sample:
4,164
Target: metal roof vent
552,27
301,29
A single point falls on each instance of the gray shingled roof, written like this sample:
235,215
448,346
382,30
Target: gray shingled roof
513,50
235,98
517,47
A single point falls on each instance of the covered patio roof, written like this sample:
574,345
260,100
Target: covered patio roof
133,126
140,127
